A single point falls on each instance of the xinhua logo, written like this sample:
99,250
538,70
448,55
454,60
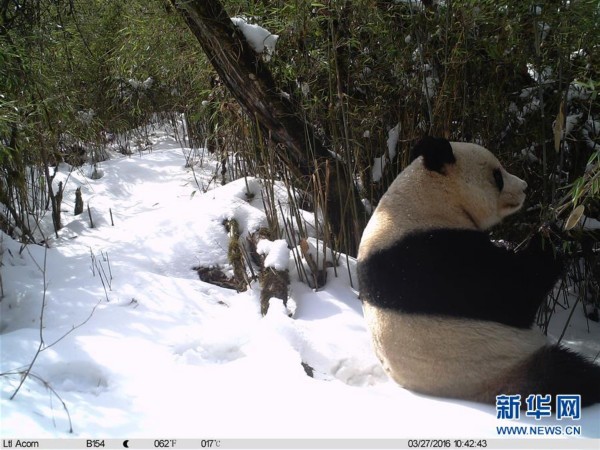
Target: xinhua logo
538,406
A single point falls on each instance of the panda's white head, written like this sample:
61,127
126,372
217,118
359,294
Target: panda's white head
448,185
483,188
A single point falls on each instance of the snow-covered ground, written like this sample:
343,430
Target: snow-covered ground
137,346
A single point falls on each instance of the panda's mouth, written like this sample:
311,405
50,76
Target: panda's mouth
512,207
514,202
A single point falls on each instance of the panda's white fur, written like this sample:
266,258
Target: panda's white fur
463,197
449,356
463,357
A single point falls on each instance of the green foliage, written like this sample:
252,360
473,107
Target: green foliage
356,69
72,71
457,69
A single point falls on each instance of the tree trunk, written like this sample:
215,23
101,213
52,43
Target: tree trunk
252,84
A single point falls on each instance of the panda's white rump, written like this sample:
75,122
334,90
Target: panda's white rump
447,357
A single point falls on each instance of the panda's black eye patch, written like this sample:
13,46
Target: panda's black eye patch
498,179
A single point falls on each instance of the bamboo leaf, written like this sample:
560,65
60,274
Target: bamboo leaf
558,126
574,217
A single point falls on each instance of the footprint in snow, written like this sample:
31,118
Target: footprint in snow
77,376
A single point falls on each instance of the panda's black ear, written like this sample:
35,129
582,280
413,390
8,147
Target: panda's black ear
436,153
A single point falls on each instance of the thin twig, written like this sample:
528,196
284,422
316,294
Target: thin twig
41,329
47,385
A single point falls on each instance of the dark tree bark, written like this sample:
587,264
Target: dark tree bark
252,84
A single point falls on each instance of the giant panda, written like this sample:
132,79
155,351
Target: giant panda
450,313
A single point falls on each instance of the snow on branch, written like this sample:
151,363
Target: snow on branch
260,39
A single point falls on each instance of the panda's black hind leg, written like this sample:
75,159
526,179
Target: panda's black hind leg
555,370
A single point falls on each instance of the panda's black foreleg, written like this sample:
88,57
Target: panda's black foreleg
544,265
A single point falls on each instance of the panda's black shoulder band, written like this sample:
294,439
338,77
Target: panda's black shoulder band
458,273
436,153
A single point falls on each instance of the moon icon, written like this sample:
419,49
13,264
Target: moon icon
126,443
